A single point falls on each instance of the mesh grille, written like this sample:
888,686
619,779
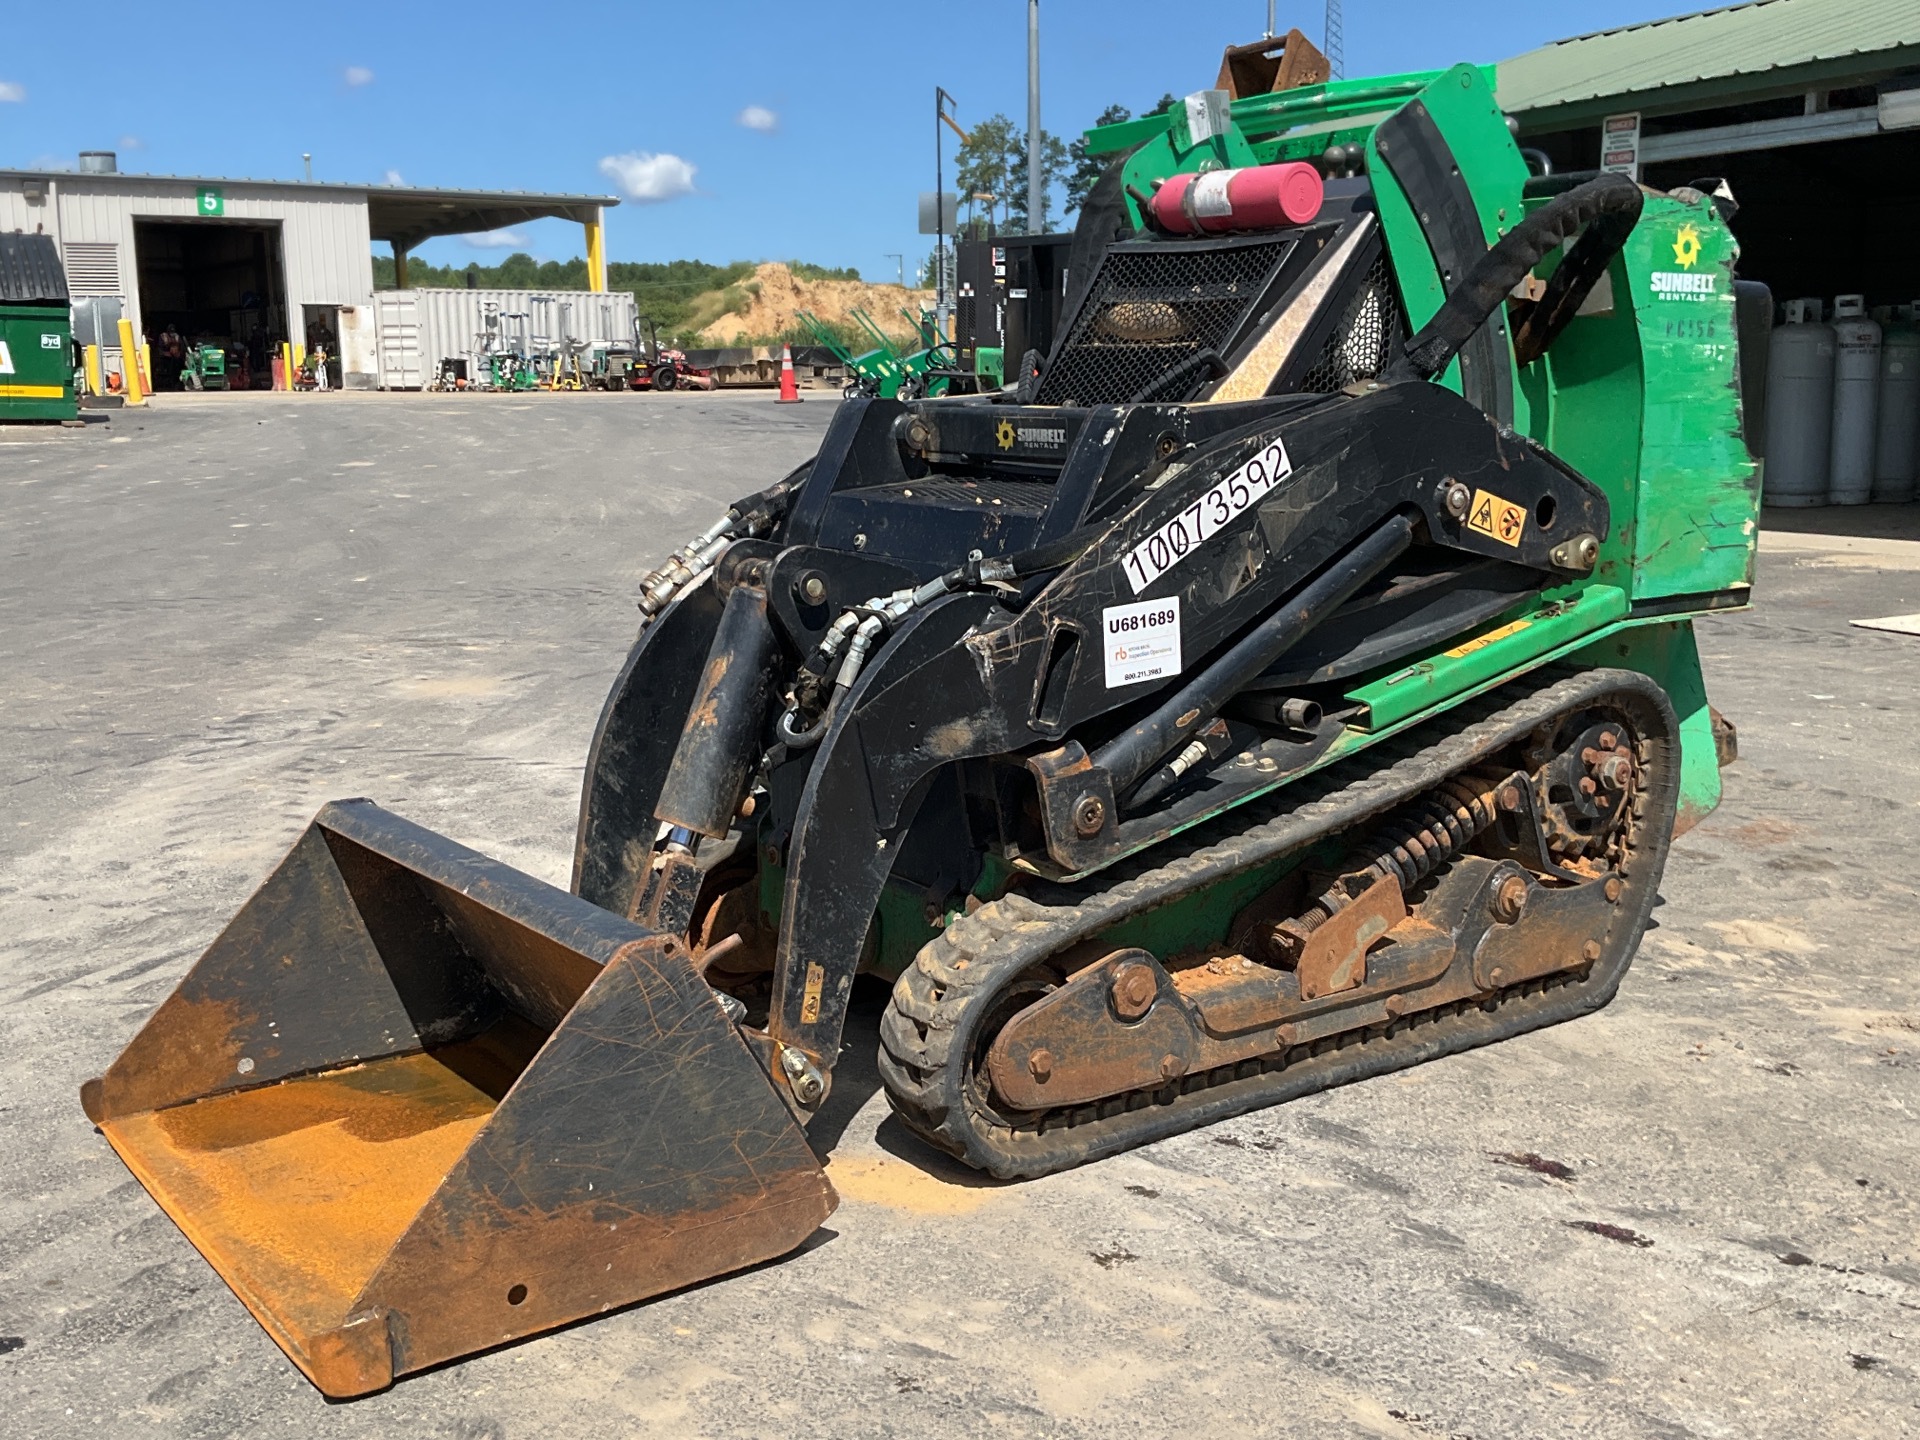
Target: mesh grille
1152,307
1359,347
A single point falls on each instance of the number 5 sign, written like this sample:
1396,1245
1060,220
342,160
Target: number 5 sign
210,200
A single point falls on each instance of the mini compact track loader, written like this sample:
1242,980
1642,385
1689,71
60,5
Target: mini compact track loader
1289,680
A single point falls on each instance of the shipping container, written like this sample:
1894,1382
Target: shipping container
420,329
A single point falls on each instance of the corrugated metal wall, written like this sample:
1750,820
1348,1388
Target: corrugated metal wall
325,250
454,324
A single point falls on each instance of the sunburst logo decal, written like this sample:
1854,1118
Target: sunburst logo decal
1686,247
1003,433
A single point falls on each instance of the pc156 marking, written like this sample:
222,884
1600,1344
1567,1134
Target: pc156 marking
1206,517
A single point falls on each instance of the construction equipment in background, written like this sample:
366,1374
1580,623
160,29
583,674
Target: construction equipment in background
1011,291
610,365
451,377
1268,66
36,332
204,367
883,372
664,367
1291,680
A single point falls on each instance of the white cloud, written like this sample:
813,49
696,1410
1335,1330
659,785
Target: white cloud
392,177
357,75
12,93
649,178
758,117
496,240
132,142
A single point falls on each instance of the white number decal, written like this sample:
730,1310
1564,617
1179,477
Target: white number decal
1206,517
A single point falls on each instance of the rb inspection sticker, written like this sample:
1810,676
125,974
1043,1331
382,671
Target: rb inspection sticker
1142,641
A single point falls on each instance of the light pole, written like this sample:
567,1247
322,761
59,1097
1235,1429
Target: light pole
1035,190
941,100
901,261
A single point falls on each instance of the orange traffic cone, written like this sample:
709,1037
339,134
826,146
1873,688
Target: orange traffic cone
789,387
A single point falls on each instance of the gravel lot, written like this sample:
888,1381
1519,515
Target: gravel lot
218,615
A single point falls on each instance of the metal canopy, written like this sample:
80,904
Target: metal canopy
407,216
1714,57
401,214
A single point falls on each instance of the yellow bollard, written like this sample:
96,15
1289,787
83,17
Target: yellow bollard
286,365
299,359
94,385
130,366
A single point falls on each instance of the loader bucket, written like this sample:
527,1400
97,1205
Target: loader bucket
413,1103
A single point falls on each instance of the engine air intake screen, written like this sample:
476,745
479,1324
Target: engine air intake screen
1154,305
1368,334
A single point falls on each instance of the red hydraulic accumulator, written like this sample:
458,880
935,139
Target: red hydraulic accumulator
1260,197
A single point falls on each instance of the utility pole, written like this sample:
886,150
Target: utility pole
1036,197
1269,19
901,261
1334,37
941,100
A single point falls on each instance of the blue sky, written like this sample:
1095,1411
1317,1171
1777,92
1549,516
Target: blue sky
651,97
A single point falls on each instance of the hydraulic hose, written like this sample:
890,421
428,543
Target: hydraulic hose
1606,208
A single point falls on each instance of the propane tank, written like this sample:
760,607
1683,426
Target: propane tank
1856,397
1799,407
1898,433
1260,197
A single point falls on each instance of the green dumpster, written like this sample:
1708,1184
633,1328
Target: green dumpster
36,331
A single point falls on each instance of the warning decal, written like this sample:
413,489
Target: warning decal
1501,519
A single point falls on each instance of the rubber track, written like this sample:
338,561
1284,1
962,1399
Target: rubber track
938,1004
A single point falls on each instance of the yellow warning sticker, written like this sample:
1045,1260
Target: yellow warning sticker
810,996
1502,519
1480,642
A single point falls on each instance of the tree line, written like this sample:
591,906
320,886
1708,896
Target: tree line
990,175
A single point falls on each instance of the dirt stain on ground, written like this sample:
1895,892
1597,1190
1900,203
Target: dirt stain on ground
454,688
1764,935
876,1180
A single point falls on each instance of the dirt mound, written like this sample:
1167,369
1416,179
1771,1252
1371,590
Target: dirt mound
778,297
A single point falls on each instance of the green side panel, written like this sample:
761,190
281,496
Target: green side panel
1665,651
990,364
1462,105
1699,490
36,377
1590,389
1503,650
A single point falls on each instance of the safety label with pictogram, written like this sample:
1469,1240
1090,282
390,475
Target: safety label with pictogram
1501,519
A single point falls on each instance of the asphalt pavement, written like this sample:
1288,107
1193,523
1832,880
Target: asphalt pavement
1693,1214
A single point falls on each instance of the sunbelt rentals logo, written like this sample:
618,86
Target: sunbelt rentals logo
6,359
1685,283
